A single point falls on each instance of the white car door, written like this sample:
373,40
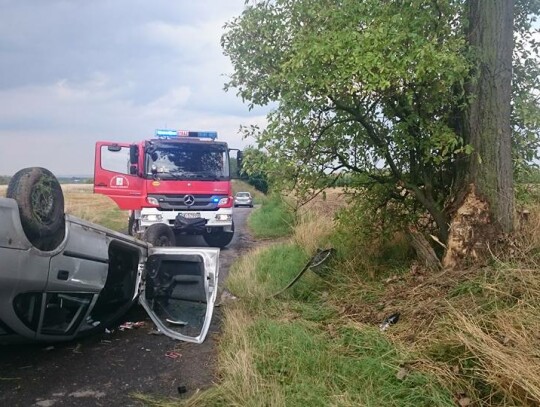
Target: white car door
180,290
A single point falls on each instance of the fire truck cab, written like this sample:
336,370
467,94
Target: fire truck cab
179,182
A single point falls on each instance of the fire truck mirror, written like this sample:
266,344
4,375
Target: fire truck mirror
133,169
239,160
133,154
114,148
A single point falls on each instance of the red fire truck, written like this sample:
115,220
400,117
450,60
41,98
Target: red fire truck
179,182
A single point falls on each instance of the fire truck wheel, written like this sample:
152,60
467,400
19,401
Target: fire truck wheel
160,234
219,239
41,206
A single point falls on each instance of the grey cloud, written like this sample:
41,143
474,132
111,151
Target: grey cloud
77,71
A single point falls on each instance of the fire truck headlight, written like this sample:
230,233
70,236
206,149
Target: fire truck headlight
223,201
223,217
152,201
152,218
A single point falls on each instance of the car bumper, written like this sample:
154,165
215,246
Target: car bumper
222,218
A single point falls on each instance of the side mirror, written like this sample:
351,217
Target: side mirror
134,154
133,169
114,148
240,159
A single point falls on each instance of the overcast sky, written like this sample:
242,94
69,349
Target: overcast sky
73,72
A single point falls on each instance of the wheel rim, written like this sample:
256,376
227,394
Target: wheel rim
320,258
42,199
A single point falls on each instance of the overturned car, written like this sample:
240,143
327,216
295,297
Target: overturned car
62,277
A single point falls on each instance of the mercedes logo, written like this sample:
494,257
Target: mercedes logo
189,200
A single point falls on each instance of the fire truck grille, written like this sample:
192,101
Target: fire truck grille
186,202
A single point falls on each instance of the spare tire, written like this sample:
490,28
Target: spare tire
41,206
160,234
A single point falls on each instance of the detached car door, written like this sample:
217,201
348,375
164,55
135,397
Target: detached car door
180,290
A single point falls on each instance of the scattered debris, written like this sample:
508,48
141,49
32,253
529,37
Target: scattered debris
45,403
48,348
131,325
226,298
392,279
145,349
105,341
87,393
464,402
77,349
390,320
179,323
402,373
108,331
172,354
155,332
10,378
182,389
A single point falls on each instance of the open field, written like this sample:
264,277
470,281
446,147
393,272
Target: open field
80,201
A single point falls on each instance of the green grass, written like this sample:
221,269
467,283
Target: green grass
303,354
274,219
357,368
303,348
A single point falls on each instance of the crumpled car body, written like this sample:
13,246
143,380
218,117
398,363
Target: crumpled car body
93,277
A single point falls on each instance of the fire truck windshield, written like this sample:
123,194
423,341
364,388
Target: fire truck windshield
187,161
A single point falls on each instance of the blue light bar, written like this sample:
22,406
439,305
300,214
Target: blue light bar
165,133
162,133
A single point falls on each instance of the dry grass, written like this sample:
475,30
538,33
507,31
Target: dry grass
507,354
242,385
328,203
526,239
80,201
313,230
478,330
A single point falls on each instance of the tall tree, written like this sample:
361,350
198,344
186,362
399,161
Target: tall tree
377,88
487,208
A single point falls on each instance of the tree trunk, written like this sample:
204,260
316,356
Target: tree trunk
487,205
424,251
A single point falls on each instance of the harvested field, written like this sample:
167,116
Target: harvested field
81,201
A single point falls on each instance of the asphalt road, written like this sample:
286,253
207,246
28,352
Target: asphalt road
107,369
